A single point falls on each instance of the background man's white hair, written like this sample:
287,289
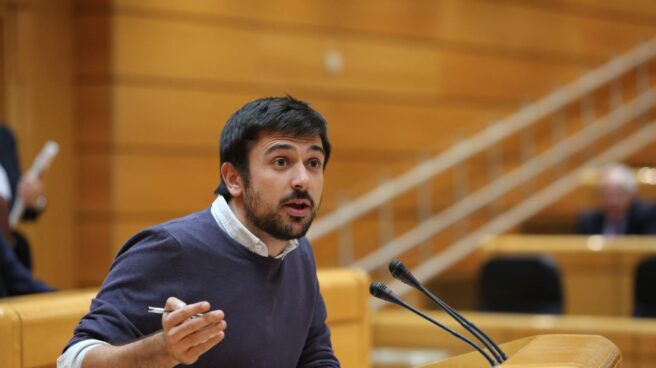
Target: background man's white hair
619,174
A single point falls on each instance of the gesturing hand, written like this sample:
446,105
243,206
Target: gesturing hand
186,336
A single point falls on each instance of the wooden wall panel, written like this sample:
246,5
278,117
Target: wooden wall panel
94,183
94,250
184,119
638,11
4,24
156,48
546,28
152,48
191,120
483,76
156,81
163,183
93,49
93,116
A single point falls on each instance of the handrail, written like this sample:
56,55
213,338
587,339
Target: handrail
502,185
441,261
483,140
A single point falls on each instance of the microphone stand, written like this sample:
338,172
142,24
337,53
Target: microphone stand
401,272
379,290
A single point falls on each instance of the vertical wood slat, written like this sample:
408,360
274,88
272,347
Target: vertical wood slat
345,240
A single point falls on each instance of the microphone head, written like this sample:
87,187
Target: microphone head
380,291
397,268
401,272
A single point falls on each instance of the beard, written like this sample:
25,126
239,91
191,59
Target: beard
273,220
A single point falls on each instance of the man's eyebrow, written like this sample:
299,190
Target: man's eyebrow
318,148
286,146
278,146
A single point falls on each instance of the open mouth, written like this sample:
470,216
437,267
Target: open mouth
298,204
298,207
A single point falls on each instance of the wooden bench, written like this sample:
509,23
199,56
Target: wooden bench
35,328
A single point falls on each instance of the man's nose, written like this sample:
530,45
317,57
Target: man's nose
300,179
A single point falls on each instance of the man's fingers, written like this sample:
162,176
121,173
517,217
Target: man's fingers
197,350
187,336
173,303
180,315
191,330
190,326
200,336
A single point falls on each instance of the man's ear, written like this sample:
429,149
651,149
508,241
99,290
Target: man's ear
232,179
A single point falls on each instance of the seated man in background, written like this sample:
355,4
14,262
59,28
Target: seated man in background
620,212
246,256
12,186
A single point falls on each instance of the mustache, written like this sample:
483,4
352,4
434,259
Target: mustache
297,194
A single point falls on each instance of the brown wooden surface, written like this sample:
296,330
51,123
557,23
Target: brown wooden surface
10,337
398,328
548,27
156,80
547,351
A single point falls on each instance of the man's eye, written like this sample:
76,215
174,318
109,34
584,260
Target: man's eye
315,164
280,162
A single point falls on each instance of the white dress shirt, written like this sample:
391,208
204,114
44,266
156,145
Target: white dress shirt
5,187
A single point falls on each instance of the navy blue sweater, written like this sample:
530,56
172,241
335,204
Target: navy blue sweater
275,313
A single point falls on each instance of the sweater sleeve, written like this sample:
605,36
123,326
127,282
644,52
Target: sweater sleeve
143,274
318,350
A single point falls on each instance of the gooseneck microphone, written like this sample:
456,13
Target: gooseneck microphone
380,291
401,272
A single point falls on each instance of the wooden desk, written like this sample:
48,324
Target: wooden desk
597,272
636,338
547,351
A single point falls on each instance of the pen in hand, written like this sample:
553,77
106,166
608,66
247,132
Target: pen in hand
158,310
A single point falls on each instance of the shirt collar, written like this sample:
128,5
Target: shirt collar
229,223
5,186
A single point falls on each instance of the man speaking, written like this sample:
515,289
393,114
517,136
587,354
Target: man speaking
237,281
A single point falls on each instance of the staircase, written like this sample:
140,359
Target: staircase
604,116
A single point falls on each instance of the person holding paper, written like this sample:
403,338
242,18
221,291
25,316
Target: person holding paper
13,186
243,264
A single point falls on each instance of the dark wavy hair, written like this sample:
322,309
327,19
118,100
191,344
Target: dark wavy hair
285,115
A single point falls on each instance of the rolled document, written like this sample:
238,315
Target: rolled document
42,161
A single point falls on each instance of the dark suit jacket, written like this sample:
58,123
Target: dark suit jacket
9,161
641,220
15,278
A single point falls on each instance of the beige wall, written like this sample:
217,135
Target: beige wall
156,80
